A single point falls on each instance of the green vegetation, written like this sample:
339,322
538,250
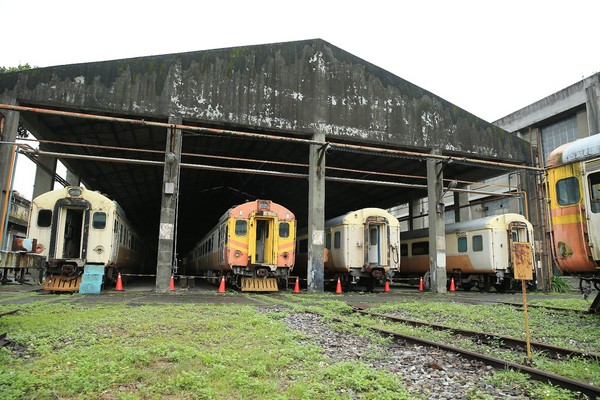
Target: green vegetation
560,285
65,348
112,350
20,67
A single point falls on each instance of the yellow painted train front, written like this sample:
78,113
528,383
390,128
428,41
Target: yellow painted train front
574,192
252,246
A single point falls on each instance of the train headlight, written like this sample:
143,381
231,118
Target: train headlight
237,254
39,248
99,249
74,192
285,255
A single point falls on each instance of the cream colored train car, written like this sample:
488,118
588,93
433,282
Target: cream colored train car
361,248
479,252
76,227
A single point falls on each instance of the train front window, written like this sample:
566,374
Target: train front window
241,227
337,240
328,241
567,191
594,184
99,220
284,229
477,243
44,218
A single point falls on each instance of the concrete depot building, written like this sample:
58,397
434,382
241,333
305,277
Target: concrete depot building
390,140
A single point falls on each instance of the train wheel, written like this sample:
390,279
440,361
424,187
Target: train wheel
503,286
485,287
369,284
427,281
466,287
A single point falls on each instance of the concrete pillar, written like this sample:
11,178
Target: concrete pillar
316,214
44,173
461,202
592,93
437,228
168,212
73,178
9,122
415,212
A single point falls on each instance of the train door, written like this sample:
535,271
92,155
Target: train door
376,237
593,212
263,238
70,233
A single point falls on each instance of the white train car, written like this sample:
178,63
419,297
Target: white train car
478,252
361,248
75,228
252,246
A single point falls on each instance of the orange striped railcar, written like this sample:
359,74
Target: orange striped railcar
253,246
574,189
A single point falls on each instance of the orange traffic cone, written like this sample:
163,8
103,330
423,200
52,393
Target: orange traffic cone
222,285
119,283
338,288
386,287
452,288
172,283
420,284
297,286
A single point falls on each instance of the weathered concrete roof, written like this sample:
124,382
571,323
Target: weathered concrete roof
293,88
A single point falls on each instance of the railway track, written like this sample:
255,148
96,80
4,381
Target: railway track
537,374
520,305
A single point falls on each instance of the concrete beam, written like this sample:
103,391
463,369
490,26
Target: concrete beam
73,178
168,212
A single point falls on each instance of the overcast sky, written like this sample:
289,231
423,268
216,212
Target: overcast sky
490,58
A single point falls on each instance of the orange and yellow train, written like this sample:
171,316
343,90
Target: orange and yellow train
252,246
574,189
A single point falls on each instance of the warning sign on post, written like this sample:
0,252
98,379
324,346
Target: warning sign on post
523,261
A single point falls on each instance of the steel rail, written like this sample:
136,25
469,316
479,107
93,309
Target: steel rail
486,337
520,305
193,128
539,375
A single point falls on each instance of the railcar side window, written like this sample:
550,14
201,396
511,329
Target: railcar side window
241,227
594,184
337,240
328,241
44,218
284,229
462,244
477,243
567,191
420,248
99,220
403,250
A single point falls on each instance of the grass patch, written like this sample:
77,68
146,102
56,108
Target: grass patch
169,351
